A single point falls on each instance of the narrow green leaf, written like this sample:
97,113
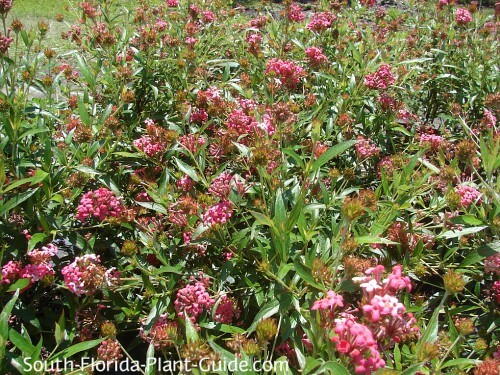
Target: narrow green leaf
331,153
467,220
21,343
306,275
187,169
191,332
19,284
333,368
459,233
150,360
16,201
268,310
74,349
4,325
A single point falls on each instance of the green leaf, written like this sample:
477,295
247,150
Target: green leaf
150,360
467,362
187,169
331,153
374,239
454,234
88,170
4,325
280,211
35,239
19,284
306,275
153,206
413,369
191,332
333,368
268,310
281,366
466,219
480,254
74,349
263,219
21,342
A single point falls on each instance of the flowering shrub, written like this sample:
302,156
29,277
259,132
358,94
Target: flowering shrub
312,184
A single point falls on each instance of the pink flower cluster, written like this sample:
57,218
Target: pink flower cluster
219,213
254,41
5,42
356,341
381,79
489,120
321,21
431,140
462,16
468,195
443,3
365,148
492,264
315,56
10,272
40,266
221,186
149,146
382,323
85,275
227,310
192,142
5,6
241,123
193,299
288,73
100,203
295,13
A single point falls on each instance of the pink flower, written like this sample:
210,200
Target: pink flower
173,3
198,116
431,140
468,195
287,72
5,6
5,42
240,122
396,282
381,79
489,120
329,303
462,16
227,310
148,146
100,203
253,40
207,16
491,264
85,275
11,272
295,13
36,272
321,21
192,142
221,186
368,3
185,183
356,341
315,56
380,306
365,148
218,213
193,299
